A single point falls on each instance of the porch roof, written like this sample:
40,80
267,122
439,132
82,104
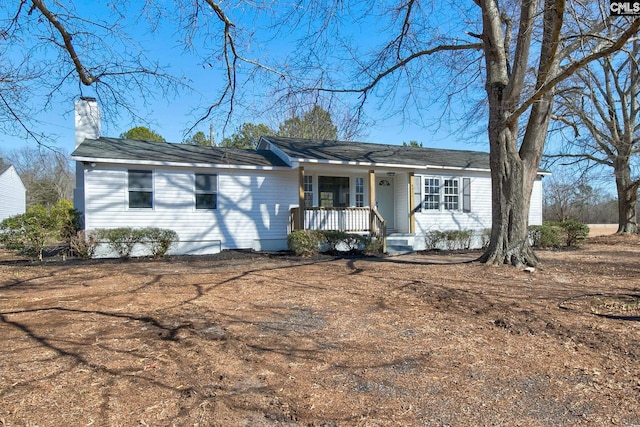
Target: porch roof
120,150
363,153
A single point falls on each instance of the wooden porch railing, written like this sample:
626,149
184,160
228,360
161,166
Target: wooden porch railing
350,220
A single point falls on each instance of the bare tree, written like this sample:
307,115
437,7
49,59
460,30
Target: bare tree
55,51
601,107
526,50
569,198
46,174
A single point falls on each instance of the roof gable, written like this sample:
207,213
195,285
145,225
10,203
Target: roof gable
138,152
4,167
309,150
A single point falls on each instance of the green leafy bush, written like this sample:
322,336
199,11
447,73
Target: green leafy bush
67,219
159,240
371,245
546,235
305,242
121,240
556,234
312,242
575,232
38,227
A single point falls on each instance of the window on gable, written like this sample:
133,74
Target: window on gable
140,189
334,191
206,191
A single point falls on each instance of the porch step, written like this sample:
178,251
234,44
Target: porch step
400,243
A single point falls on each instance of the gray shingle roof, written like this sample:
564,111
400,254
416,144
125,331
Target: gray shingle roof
106,149
4,167
368,153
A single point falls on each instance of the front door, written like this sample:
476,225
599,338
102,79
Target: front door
385,200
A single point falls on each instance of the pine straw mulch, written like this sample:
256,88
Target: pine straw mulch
247,339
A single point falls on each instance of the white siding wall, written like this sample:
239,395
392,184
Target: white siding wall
252,208
478,218
12,194
535,210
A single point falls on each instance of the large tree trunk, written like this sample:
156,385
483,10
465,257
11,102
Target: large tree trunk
627,197
513,169
513,172
511,192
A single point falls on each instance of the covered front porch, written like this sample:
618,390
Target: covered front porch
374,202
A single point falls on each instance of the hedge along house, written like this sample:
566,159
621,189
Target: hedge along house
219,198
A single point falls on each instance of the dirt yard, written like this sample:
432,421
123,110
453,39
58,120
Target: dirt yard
272,340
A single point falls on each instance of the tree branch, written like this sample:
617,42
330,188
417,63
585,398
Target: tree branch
365,89
85,76
569,70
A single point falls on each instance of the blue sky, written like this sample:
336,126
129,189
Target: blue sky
172,116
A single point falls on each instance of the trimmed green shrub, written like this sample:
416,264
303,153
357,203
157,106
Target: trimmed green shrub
576,232
159,240
556,234
121,240
305,242
312,242
448,239
546,235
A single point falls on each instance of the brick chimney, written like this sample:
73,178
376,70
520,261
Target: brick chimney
88,121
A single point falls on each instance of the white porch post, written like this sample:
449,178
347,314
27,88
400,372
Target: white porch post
412,204
372,198
300,218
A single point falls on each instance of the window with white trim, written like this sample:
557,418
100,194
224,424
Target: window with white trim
451,195
308,191
431,201
359,192
140,186
206,191
440,193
